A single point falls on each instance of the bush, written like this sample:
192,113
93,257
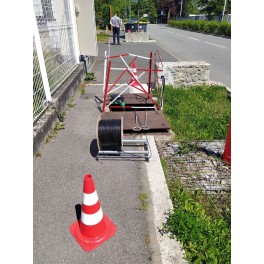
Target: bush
213,27
201,25
205,239
224,29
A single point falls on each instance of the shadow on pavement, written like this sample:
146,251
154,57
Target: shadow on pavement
94,148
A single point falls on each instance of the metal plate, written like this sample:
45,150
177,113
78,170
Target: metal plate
156,120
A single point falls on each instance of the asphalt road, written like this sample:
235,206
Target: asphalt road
192,46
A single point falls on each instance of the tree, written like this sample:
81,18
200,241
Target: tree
147,7
168,6
215,7
191,7
151,8
105,15
102,10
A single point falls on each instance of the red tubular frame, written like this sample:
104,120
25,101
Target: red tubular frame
140,88
122,74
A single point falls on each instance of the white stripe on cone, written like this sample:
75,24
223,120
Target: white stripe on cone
90,198
92,219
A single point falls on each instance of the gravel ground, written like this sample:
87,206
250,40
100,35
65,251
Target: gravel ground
198,164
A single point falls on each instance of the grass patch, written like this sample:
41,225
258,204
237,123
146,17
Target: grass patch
203,228
197,113
147,239
102,37
89,76
144,204
164,164
204,231
70,103
61,116
202,223
82,89
58,126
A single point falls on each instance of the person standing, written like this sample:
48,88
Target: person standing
115,22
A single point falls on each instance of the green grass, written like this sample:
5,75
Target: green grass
143,198
203,229
70,103
58,126
197,113
89,76
102,37
205,235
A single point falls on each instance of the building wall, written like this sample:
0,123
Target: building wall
86,27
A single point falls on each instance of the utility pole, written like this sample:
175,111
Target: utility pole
181,8
168,16
224,11
110,13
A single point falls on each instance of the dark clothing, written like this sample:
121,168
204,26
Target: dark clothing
116,33
115,22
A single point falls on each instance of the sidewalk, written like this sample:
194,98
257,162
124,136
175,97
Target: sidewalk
58,185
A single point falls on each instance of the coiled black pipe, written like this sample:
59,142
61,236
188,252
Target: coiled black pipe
110,134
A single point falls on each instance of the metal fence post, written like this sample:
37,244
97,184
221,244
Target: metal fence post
41,58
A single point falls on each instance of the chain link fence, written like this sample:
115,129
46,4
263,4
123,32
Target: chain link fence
39,98
55,31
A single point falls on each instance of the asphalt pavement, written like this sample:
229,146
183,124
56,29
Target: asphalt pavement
58,185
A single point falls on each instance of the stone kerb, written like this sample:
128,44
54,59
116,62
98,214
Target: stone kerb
137,37
184,74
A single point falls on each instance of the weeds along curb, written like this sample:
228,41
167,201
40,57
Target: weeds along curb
46,123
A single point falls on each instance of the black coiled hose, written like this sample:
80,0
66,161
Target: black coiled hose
110,133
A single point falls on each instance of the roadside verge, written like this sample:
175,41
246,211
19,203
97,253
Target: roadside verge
170,249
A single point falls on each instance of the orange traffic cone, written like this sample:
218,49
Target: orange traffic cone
94,227
227,150
134,82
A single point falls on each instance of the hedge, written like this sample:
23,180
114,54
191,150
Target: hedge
222,28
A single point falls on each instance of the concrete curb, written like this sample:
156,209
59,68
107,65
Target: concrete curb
147,41
170,249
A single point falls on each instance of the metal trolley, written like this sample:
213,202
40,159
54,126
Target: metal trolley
111,144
